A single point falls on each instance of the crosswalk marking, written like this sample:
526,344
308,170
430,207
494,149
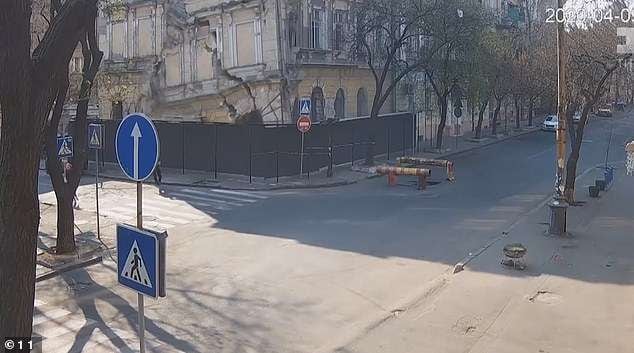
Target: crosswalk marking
205,199
177,206
247,194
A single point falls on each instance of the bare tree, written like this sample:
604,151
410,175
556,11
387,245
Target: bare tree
488,61
455,30
592,61
390,37
33,82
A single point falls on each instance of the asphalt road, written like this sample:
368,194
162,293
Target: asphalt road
308,271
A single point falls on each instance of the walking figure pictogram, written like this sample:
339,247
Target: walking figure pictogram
134,268
136,264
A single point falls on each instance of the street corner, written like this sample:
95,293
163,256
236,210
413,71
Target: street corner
50,264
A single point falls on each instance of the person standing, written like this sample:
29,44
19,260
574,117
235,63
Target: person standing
158,176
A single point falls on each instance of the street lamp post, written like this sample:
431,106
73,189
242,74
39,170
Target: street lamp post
559,206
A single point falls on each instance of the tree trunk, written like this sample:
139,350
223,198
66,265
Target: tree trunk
373,122
483,107
19,158
496,113
573,158
472,117
571,173
531,111
443,121
19,217
65,222
26,95
517,113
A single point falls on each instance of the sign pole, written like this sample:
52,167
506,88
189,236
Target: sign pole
301,158
139,224
97,191
64,162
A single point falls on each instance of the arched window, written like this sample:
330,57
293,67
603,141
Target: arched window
317,106
295,111
340,104
362,102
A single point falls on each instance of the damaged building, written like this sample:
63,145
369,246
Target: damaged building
231,61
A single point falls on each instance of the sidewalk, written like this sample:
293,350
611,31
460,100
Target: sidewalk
89,249
574,296
343,174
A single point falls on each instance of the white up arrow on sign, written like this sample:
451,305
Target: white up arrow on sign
136,135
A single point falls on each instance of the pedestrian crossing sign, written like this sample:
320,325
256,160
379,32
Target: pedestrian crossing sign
95,136
304,106
140,260
65,147
134,268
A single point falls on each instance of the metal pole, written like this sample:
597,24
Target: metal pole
456,131
183,148
216,152
301,158
250,157
139,224
97,191
607,151
558,207
404,138
388,143
561,109
277,166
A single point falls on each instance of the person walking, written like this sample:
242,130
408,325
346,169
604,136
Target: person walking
76,201
158,176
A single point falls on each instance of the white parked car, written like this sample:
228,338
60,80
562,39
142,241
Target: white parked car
576,118
550,123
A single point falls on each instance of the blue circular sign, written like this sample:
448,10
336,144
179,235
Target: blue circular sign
137,146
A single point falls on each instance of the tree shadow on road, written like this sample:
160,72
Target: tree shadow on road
89,310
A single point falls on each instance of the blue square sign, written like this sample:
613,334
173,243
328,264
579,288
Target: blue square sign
65,147
138,260
95,136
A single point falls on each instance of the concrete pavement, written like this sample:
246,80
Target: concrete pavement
575,295
321,270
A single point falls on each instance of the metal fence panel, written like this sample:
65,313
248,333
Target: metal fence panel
270,151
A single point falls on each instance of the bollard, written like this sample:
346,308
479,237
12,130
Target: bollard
450,172
557,225
422,182
391,179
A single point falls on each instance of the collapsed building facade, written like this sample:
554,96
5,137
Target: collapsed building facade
232,61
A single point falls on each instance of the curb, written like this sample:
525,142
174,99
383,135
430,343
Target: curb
268,188
490,143
74,266
319,186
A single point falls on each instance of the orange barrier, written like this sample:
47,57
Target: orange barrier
428,162
393,172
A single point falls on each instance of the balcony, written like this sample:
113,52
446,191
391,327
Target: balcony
310,56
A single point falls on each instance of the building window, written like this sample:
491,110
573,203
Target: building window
362,102
245,43
318,33
117,110
339,22
292,29
205,44
118,40
76,64
340,104
295,110
317,106
145,33
173,72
